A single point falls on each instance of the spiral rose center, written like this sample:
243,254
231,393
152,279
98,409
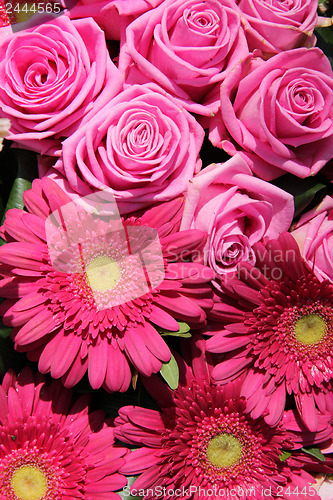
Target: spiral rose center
29,483
310,329
224,450
103,273
283,5
206,20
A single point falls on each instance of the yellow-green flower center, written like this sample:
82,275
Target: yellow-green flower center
103,273
224,450
310,329
29,483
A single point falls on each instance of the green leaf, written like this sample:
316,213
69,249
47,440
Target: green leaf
284,455
15,199
185,335
304,191
125,494
325,41
5,332
26,172
183,331
170,373
314,452
302,200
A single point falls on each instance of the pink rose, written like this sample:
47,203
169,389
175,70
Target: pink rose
278,113
53,78
186,48
314,235
111,15
142,145
236,209
276,26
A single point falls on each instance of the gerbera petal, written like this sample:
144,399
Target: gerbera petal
25,255
225,342
3,406
149,419
76,372
15,227
229,368
18,318
97,364
138,461
65,353
199,419
34,200
26,390
139,355
45,359
163,319
42,324
180,305
29,301
118,374
14,404
147,478
154,342
58,294
55,441
276,405
183,243
306,407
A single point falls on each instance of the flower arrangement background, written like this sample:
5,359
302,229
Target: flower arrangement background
166,250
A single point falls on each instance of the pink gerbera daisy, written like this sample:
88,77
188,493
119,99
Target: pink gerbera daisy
52,448
203,444
279,328
93,318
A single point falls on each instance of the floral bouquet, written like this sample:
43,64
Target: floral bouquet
166,252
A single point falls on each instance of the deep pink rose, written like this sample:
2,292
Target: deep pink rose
111,15
186,48
236,209
276,26
314,235
142,145
278,113
53,78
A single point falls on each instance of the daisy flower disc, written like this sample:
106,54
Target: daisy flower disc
204,444
281,333
52,448
75,305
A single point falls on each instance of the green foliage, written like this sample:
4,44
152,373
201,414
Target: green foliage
5,332
325,41
284,455
170,373
314,452
26,172
125,496
306,192
184,331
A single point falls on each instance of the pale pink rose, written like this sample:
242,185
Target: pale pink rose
314,235
186,47
142,146
113,16
276,26
278,113
237,210
53,78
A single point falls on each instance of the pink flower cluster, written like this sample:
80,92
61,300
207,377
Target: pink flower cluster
175,246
